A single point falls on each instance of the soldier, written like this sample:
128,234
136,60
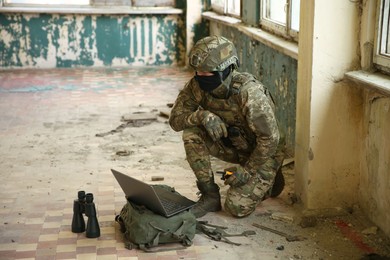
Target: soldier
228,115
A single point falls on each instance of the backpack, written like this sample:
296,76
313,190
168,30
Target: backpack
144,229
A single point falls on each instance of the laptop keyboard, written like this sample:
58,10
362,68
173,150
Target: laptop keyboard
171,206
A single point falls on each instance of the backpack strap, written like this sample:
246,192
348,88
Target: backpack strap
181,236
178,234
152,247
218,233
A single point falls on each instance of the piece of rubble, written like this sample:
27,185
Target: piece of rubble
138,119
123,153
289,238
308,221
370,231
165,113
285,217
131,118
157,178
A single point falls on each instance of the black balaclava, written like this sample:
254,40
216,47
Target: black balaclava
209,83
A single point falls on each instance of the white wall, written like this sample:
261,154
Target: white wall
328,110
194,17
343,129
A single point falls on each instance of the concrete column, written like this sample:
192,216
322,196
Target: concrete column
194,19
329,111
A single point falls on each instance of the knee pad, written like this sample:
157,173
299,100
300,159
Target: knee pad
239,205
242,201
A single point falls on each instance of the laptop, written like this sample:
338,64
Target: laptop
157,199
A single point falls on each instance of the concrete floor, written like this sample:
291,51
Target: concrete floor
60,132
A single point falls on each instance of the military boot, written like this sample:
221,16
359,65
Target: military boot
279,183
209,201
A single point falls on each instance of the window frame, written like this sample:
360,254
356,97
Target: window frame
381,60
225,8
275,27
60,3
84,3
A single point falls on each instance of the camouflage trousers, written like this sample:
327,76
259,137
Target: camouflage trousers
240,201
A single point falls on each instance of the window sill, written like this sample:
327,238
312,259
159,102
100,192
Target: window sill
286,47
373,81
92,10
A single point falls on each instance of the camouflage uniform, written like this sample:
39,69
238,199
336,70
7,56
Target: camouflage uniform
250,110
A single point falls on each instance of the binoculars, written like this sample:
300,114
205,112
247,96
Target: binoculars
85,205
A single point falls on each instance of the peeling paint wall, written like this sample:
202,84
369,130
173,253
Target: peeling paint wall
57,40
375,178
275,70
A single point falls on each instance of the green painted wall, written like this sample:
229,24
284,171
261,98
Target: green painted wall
53,40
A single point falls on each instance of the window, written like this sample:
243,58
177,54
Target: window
280,17
227,7
382,45
152,3
46,2
138,3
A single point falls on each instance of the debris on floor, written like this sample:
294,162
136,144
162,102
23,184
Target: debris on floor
308,221
157,178
165,113
123,153
289,238
49,151
137,119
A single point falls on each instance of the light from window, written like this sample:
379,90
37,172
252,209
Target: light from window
150,3
275,11
281,17
384,43
218,6
227,7
382,56
47,2
233,7
295,7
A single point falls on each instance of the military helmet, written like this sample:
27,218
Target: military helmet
213,53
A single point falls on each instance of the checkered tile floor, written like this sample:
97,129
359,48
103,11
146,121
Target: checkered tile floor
49,151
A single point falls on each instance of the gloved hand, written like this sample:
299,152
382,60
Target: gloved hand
214,125
236,178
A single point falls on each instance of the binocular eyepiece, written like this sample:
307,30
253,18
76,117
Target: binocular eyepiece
85,205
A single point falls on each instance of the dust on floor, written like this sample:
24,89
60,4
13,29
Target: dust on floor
62,131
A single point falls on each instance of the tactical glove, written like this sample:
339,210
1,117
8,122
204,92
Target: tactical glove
214,125
236,178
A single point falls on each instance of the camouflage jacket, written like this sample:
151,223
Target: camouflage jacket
250,107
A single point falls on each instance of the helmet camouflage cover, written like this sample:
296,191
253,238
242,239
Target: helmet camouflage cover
213,53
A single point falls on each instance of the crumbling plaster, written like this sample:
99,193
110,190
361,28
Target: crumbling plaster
69,40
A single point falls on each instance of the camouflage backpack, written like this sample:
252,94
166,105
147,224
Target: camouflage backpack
145,229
